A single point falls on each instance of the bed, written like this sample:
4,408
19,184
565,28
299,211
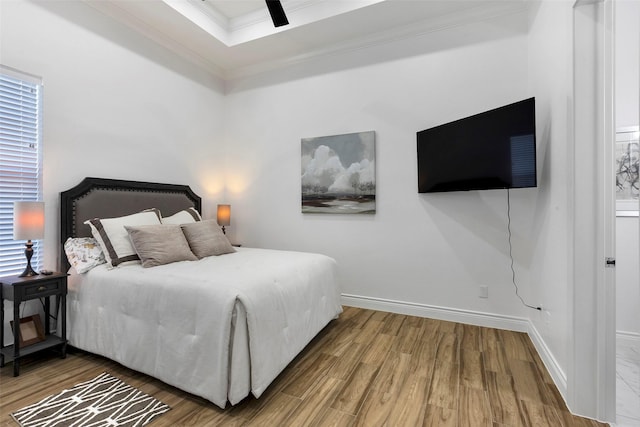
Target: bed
220,327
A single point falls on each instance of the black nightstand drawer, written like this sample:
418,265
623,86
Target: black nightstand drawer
42,289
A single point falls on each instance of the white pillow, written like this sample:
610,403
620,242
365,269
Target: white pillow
186,216
83,253
113,237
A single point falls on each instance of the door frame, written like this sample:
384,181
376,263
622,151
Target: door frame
591,378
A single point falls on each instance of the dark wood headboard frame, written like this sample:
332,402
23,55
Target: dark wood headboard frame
106,198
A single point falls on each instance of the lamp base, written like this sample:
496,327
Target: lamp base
28,252
28,272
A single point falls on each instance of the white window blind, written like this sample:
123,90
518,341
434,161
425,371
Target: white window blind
20,162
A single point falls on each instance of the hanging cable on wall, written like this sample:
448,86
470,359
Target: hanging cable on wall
513,271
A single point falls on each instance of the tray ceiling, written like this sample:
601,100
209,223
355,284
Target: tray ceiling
233,38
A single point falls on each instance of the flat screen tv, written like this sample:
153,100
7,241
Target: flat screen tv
490,150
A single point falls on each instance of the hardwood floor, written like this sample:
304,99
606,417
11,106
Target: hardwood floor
367,368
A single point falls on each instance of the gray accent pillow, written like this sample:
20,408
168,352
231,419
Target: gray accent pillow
159,244
206,239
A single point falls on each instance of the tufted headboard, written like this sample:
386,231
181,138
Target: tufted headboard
107,198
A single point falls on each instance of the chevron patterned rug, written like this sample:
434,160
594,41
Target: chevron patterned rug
103,401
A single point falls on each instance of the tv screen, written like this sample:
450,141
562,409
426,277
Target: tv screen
490,150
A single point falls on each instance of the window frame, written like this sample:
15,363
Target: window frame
12,259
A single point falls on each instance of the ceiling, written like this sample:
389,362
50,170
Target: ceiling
234,38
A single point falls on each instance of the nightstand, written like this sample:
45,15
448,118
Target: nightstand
21,289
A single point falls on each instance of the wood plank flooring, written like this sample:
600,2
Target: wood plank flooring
367,368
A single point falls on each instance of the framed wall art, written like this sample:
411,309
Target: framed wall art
627,169
339,174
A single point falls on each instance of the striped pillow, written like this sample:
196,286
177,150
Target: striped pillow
114,239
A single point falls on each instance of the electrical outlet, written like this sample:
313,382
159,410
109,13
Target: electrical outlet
484,291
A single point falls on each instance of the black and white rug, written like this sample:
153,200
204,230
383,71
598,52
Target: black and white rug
103,401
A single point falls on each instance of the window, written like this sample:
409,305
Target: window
20,161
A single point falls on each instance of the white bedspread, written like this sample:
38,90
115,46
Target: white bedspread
175,322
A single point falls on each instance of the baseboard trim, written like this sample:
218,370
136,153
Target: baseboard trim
490,320
557,374
471,317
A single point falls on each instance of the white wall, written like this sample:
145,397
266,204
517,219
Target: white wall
433,249
550,80
116,105
627,62
627,273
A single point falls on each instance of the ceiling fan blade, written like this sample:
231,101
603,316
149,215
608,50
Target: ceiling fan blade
277,13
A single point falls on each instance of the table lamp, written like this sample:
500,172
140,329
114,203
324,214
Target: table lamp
28,223
224,216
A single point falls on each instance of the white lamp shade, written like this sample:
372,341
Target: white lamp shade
28,220
224,215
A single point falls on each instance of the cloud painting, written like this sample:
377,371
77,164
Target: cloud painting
338,174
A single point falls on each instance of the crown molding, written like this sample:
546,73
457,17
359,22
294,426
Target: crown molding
111,10
302,11
478,15
206,18
257,25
